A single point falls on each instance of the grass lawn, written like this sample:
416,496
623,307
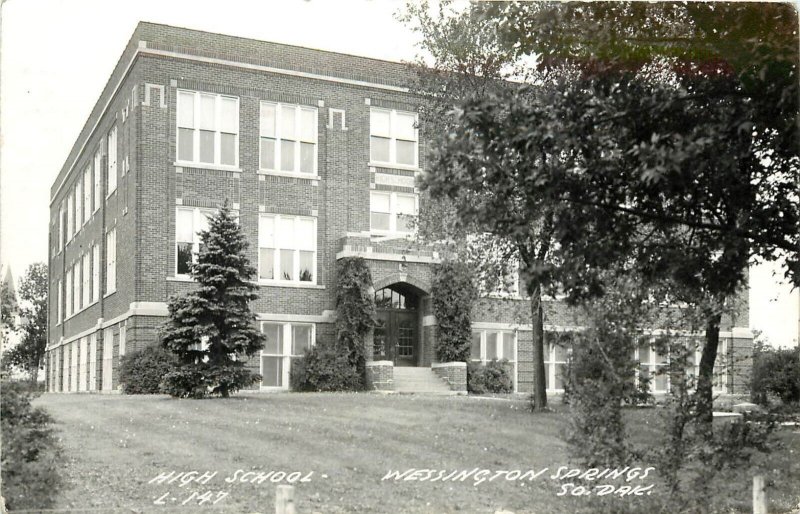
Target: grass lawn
115,445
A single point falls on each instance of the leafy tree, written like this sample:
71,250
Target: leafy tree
29,353
355,313
669,129
487,212
210,328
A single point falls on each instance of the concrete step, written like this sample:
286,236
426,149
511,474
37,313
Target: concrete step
419,381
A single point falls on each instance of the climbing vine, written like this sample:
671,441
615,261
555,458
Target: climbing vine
454,293
355,310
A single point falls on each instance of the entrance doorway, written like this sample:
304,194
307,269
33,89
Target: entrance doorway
396,335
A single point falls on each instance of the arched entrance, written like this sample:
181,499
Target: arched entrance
396,337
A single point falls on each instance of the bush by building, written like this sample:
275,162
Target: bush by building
492,377
776,373
141,372
324,369
31,454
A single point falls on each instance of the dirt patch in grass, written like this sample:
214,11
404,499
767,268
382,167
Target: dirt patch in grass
116,445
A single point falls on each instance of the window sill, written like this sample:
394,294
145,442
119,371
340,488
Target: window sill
206,166
298,285
288,174
393,166
391,235
180,278
109,294
111,193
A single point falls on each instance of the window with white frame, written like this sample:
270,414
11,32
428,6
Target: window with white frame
68,293
87,194
488,345
61,227
189,222
78,208
111,167
98,165
392,212
720,378
287,248
288,138
73,371
83,376
393,137
95,273
285,342
208,128
652,367
93,362
555,366
87,278
70,216
59,307
76,286
64,368
111,261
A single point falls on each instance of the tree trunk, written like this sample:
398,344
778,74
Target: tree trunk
705,377
539,397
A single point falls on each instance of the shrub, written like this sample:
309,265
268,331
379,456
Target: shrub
141,372
324,369
355,312
202,379
775,372
493,377
454,293
31,454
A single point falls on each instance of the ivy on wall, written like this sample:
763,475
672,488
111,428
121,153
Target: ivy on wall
454,293
355,310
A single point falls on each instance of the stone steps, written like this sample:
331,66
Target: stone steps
419,381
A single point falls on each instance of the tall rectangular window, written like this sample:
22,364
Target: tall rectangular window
73,368
111,168
652,367
59,307
83,376
78,208
61,227
285,343
287,248
87,193
488,345
70,215
208,128
288,138
76,285
93,362
189,222
95,273
111,261
68,293
555,366
392,212
87,278
97,176
393,137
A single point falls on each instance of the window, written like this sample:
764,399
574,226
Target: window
87,194
108,360
287,248
87,278
73,371
95,273
60,299
68,293
490,345
123,329
189,222
64,368
393,137
93,362
98,164
285,342
288,138
392,212
111,168
111,261
720,379
78,209
76,286
652,366
208,128
84,357
61,228
555,366
70,216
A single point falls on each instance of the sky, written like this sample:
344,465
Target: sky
57,56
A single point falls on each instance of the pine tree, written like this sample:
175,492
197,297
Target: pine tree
212,327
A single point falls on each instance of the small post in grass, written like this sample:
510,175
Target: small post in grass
284,500
759,495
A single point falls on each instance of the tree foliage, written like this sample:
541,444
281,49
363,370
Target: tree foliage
355,311
29,353
454,294
212,327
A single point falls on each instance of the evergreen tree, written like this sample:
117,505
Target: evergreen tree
210,328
